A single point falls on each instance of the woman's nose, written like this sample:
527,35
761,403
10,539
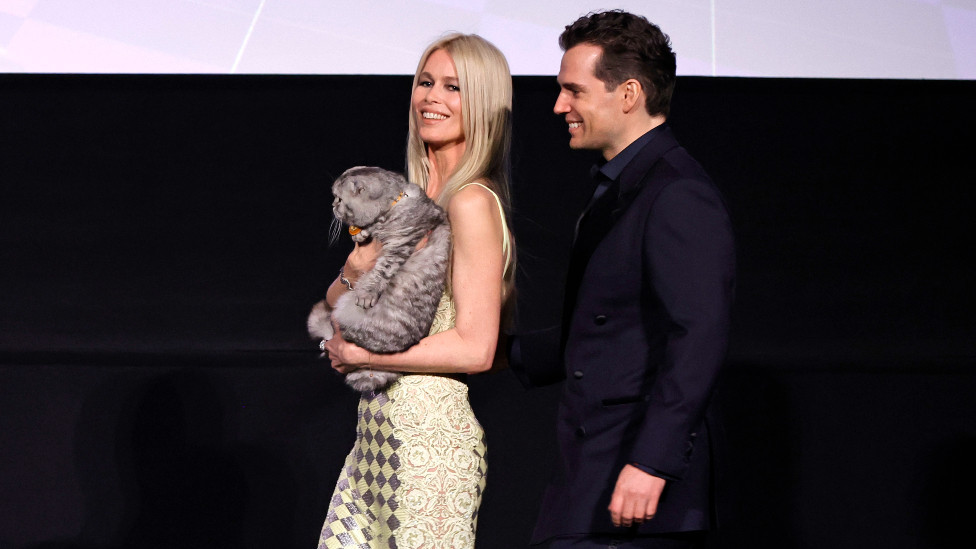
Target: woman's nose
432,95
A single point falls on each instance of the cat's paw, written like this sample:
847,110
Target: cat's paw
366,297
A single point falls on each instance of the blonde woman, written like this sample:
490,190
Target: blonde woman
415,475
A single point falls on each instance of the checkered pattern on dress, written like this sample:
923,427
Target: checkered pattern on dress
361,513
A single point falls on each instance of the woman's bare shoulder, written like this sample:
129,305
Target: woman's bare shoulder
473,198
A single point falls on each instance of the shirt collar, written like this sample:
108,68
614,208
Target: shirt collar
611,170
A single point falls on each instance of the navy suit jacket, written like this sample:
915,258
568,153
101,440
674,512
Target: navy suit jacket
641,348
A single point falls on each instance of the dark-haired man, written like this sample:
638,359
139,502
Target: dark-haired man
646,319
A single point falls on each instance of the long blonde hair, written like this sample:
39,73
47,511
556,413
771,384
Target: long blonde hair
486,112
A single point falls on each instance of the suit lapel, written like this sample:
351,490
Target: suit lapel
591,227
603,212
632,180
636,175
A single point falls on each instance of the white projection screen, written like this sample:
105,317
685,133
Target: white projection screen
900,39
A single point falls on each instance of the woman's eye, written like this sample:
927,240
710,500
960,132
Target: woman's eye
454,88
425,83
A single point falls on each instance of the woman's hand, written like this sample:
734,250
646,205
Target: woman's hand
362,258
345,356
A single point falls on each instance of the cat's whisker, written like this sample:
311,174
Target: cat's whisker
334,229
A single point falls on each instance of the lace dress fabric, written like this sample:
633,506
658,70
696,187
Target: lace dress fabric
416,472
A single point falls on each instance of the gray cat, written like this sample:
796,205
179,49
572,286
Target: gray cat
392,305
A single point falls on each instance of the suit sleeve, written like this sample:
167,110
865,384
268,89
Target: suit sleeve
689,263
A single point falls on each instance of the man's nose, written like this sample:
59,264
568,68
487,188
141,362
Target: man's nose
562,105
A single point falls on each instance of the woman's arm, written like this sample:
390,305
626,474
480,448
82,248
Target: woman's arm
469,347
360,260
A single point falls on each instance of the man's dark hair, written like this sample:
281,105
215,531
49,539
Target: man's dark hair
633,47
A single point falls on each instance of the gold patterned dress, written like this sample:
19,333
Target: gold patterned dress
415,475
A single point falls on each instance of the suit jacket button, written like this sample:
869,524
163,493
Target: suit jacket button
581,431
600,320
578,374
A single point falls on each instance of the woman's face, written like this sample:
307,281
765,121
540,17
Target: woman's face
437,102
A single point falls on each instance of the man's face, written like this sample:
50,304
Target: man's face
591,111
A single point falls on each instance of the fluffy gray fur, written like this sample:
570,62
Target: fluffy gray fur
393,304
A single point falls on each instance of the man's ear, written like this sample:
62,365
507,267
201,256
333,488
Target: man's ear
633,95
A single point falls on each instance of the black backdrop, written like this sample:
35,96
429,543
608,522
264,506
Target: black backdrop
162,237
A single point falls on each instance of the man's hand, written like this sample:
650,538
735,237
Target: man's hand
635,496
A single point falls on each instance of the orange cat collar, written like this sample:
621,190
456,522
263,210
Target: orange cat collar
354,230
